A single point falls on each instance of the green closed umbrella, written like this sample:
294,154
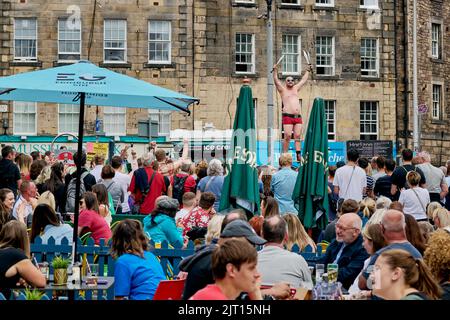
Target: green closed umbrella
240,188
311,189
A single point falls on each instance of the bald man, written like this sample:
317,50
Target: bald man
393,226
347,249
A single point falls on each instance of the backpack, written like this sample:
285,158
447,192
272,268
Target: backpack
70,203
178,188
406,185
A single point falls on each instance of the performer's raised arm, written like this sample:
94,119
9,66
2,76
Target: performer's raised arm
304,78
277,81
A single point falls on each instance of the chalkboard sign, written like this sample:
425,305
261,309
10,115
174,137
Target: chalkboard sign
369,149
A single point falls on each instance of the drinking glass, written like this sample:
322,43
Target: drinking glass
320,270
44,268
92,275
332,270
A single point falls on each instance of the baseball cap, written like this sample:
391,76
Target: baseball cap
240,228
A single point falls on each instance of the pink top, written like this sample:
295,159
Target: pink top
96,224
210,292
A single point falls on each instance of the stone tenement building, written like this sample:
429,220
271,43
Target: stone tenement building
204,48
433,71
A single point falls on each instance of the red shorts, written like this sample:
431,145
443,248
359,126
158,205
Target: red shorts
291,120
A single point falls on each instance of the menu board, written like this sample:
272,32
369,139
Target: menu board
369,149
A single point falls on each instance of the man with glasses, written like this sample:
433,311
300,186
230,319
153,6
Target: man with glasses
292,119
347,250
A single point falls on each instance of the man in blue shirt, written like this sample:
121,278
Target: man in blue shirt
393,226
283,183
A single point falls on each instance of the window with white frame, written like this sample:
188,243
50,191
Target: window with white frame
325,56
24,118
368,3
324,3
245,53
115,121
436,40
437,101
159,42
369,57
330,114
291,51
288,2
115,40
368,120
68,118
164,121
25,39
69,40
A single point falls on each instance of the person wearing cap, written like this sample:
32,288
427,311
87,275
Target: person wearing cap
160,224
146,185
234,269
199,265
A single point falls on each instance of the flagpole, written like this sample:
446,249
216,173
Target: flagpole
78,177
269,83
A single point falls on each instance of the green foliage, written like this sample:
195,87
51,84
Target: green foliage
33,294
60,263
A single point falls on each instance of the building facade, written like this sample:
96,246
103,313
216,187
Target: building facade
432,80
205,48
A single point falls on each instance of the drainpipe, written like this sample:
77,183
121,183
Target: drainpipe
405,67
397,142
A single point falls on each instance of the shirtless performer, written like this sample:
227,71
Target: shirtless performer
292,119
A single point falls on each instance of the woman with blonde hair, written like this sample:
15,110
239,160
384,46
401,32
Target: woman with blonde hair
367,208
415,199
47,198
297,234
23,161
42,178
441,218
437,258
213,230
430,209
398,275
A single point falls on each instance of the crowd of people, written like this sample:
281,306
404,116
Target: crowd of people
388,231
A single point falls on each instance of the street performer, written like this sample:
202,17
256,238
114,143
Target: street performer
292,119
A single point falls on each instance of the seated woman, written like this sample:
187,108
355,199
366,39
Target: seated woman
91,220
297,233
398,275
103,203
137,271
269,207
160,224
6,206
15,263
437,258
46,224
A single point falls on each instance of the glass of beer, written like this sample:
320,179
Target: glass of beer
332,270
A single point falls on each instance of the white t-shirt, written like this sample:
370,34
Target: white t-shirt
180,214
351,180
411,203
124,181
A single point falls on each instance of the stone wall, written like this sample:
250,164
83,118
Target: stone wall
203,33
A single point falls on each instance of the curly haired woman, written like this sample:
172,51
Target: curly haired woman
437,258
